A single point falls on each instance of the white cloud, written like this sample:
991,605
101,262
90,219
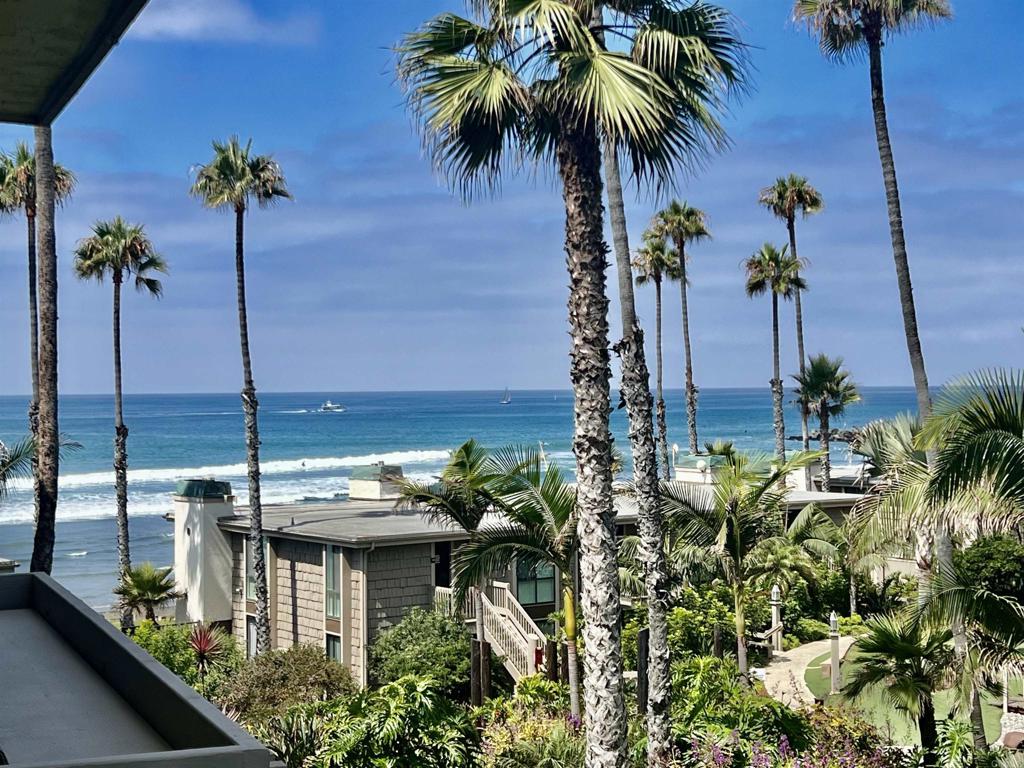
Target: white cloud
223,20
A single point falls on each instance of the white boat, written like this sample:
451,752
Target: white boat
329,407
507,398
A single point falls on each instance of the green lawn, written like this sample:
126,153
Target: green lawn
879,712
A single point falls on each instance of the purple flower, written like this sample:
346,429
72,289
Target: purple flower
784,749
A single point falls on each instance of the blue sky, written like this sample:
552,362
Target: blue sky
375,277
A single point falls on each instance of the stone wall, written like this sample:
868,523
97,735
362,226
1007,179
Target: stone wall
238,587
398,579
300,593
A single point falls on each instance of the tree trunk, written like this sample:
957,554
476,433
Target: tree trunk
776,385
899,245
805,436
33,326
853,592
579,161
48,446
662,424
481,635
572,663
741,633
691,391
121,460
636,394
978,722
929,732
825,428
252,448
151,613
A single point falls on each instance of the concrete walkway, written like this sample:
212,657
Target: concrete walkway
784,676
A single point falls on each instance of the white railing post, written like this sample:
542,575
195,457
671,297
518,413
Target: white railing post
533,643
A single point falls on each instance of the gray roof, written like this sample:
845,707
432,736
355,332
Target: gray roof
362,523
49,49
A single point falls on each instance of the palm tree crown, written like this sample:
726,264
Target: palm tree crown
681,223
15,462
655,261
146,588
18,180
826,384
117,248
773,270
846,27
790,195
235,177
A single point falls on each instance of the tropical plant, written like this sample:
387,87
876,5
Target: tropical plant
145,588
539,527
776,272
43,421
787,196
909,660
299,738
730,528
682,223
15,463
206,665
993,563
404,724
534,80
271,683
560,747
825,387
655,261
209,646
233,180
846,30
120,251
460,497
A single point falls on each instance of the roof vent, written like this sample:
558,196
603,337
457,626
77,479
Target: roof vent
376,482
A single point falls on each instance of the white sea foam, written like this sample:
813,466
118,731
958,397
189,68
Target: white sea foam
83,553
172,474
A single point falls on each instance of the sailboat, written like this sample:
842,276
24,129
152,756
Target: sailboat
507,398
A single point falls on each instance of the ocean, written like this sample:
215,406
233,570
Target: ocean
309,454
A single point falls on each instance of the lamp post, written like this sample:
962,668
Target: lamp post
776,628
833,633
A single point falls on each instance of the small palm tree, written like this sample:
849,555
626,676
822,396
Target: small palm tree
826,388
846,30
538,528
774,271
785,198
460,498
146,588
120,251
655,261
729,529
910,661
233,180
682,224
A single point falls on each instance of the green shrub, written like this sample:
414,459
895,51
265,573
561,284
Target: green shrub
691,626
517,728
170,645
272,682
852,625
994,562
809,630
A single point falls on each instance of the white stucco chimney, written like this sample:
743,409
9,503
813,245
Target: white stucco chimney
202,551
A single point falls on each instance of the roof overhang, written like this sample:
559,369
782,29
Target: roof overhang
49,49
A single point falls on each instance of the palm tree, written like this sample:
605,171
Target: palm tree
535,81
234,179
784,198
538,527
846,30
460,498
730,528
120,250
146,588
682,224
15,462
773,271
47,433
655,261
826,388
910,660
18,192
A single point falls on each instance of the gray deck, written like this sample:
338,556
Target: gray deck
54,706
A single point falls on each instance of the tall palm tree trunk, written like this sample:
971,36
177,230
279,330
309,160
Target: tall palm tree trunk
636,393
978,722
825,427
741,633
571,649
666,466
899,245
48,447
776,384
691,391
805,435
120,459
33,326
579,162
853,592
929,732
252,447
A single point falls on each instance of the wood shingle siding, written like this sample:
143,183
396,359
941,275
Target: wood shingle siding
300,593
398,579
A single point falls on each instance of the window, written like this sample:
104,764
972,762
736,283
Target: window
250,571
535,584
250,636
332,597
334,647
